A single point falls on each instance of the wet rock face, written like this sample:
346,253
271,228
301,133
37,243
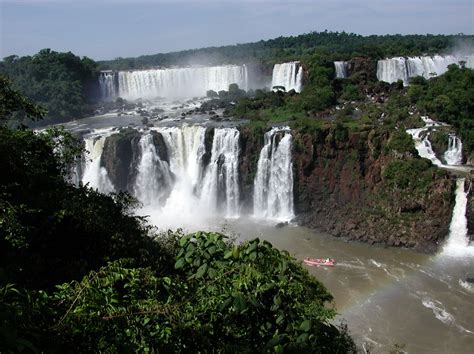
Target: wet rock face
120,156
339,188
251,142
362,66
161,147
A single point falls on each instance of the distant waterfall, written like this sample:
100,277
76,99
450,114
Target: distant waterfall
453,156
221,183
341,69
273,185
457,243
289,75
176,82
107,85
392,70
94,173
154,179
401,68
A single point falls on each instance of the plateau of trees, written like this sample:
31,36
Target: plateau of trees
62,83
340,45
80,272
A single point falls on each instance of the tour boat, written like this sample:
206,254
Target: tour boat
328,262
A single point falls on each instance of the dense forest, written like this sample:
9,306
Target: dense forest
336,45
79,272
63,83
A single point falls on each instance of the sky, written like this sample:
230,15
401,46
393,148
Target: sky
106,29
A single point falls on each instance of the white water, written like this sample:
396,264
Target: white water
107,85
453,156
273,184
177,82
289,75
457,244
341,69
154,179
222,175
186,193
94,174
401,68
423,145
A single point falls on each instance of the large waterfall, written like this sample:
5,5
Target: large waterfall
458,241
401,68
288,75
154,179
187,186
341,69
176,82
94,174
221,182
273,185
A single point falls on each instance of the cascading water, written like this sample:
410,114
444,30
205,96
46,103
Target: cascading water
341,69
423,145
154,179
107,85
221,183
401,68
457,243
273,185
453,156
392,70
95,174
177,82
289,75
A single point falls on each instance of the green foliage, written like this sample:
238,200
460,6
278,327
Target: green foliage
61,82
401,142
14,105
448,98
414,175
350,93
246,298
341,45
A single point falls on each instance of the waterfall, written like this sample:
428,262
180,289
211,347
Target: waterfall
392,70
107,85
94,173
289,75
177,82
341,69
401,68
273,185
221,183
457,243
423,145
453,156
154,178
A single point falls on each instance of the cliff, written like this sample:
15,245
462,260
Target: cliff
349,184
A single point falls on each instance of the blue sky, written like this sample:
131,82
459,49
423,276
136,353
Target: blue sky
105,29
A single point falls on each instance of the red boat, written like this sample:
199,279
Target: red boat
328,262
